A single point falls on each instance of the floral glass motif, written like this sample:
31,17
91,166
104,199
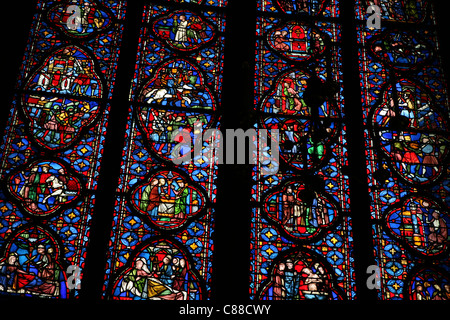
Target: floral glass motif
301,245
53,144
405,109
164,213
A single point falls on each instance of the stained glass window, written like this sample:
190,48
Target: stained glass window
405,108
53,143
301,242
164,215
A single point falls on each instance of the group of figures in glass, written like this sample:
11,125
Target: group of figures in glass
56,122
34,276
167,200
409,125
183,30
412,133
31,265
422,223
417,155
295,211
177,96
59,99
430,285
159,272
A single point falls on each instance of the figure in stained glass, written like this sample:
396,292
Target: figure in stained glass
299,276
53,145
160,271
297,85
422,223
91,17
139,282
402,10
402,50
56,122
406,110
30,265
429,284
168,200
162,128
296,41
417,155
303,139
298,212
301,6
43,187
68,70
178,83
288,97
184,30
